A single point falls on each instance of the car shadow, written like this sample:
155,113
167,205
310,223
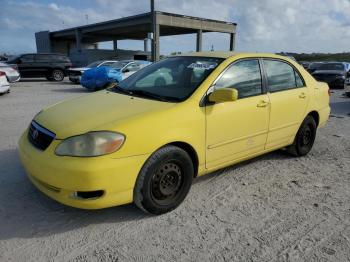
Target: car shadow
33,80
275,155
25,212
340,108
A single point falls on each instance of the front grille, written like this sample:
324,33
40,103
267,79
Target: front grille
39,136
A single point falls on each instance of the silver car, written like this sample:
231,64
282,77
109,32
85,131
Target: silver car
11,72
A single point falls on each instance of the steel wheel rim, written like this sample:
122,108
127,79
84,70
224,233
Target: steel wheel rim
307,136
57,75
166,183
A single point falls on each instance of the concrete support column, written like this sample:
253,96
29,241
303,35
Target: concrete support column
115,45
232,41
199,40
145,45
78,39
155,43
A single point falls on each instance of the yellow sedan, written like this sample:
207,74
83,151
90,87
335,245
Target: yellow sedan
145,139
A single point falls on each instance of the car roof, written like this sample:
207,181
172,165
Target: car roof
227,54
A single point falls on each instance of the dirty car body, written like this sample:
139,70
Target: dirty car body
176,119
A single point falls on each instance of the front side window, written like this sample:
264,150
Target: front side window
43,58
120,64
133,67
244,76
173,79
281,76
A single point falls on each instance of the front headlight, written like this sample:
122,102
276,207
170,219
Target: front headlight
91,144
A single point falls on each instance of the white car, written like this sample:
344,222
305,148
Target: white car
4,84
75,74
11,72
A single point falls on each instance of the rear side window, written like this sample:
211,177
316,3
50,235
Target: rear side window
281,76
42,58
51,58
61,58
244,76
27,58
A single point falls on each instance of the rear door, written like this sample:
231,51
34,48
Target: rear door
289,97
43,64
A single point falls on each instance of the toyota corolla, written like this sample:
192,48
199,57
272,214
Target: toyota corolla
145,139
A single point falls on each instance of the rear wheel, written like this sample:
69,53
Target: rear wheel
57,75
305,138
164,180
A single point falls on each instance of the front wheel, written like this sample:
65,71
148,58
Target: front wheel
57,75
164,181
305,138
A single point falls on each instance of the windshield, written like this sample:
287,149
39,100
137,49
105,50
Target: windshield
120,64
93,64
173,79
332,66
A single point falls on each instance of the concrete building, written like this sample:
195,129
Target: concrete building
81,43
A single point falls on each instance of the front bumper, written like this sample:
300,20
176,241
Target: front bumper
336,84
61,177
4,89
13,78
75,79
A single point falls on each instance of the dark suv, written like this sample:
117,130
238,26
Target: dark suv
51,66
333,73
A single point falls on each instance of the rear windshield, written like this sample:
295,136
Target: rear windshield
332,66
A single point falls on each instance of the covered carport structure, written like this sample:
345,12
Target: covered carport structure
145,26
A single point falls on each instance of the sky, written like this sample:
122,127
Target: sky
263,25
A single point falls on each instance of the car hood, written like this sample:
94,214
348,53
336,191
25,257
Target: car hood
328,72
94,111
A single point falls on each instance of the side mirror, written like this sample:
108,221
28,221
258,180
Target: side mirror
223,95
126,70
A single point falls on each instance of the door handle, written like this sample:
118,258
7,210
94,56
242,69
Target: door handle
262,103
302,95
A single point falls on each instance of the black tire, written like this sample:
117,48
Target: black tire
57,75
164,181
347,94
305,138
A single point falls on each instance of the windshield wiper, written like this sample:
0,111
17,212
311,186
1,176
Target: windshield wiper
117,88
149,94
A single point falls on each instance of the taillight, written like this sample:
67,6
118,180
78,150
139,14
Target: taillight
2,73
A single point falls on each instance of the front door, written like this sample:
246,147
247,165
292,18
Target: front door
239,128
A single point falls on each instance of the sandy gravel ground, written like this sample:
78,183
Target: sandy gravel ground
273,208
